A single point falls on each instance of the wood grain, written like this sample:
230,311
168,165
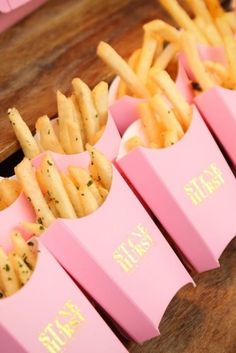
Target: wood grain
41,55
58,42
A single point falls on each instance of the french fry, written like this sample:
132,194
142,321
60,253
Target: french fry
94,173
73,193
23,134
3,205
170,138
81,176
75,137
159,105
209,30
200,10
90,115
121,68
78,117
150,123
132,62
103,166
22,270
21,248
64,114
10,190
180,105
56,188
48,138
166,31
88,200
99,134
189,46
33,228
146,57
26,175
103,191
214,8
230,18
134,142
8,276
100,98
182,19
230,48
166,56
217,69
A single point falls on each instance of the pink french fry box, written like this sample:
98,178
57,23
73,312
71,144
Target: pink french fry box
118,255
124,110
12,11
50,314
217,105
190,189
108,143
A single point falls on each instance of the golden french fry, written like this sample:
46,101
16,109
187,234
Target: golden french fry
23,134
230,47
170,138
33,228
75,137
47,136
65,113
166,31
99,134
23,249
166,56
134,142
22,270
200,9
103,191
103,166
3,205
150,124
132,62
182,19
217,69
10,190
87,108
189,46
88,200
73,193
26,175
230,18
8,276
121,68
179,103
214,8
78,117
81,176
100,98
212,35
56,188
146,57
166,114
94,173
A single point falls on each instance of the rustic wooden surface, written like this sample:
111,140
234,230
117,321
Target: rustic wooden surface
43,53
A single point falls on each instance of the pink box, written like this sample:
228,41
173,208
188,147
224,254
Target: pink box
217,105
189,187
108,144
118,255
50,314
14,10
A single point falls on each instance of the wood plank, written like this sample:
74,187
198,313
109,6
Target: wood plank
58,42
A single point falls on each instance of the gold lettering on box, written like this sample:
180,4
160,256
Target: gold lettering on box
130,252
57,334
207,183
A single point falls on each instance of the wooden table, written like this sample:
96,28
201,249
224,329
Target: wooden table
42,54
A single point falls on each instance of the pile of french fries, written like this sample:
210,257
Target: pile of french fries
71,194
82,118
10,190
17,266
165,114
